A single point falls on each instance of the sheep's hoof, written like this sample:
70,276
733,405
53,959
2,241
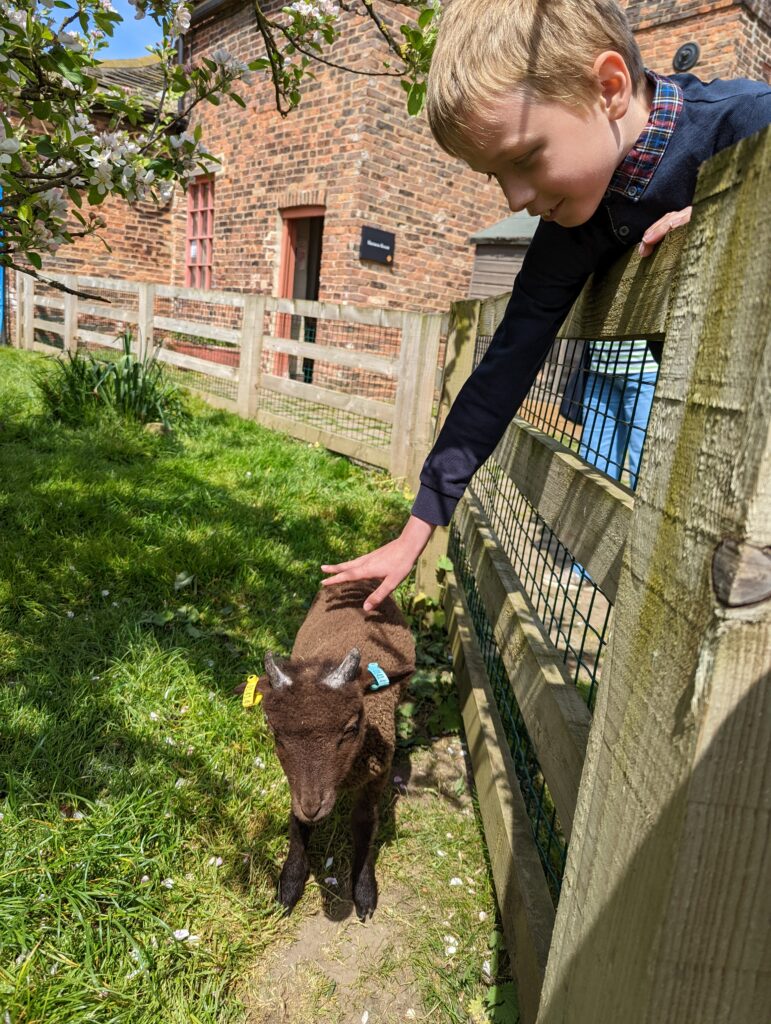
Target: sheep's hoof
291,886
365,898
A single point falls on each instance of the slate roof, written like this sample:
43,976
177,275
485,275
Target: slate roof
139,75
519,227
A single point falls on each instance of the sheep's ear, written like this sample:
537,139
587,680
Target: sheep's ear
347,670
278,680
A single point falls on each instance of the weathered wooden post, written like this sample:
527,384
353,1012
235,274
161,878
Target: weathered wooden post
250,359
143,343
458,364
665,908
25,310
70,316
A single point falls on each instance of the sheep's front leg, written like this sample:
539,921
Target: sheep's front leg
296,866
364,822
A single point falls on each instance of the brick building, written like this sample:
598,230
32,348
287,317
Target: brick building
284,213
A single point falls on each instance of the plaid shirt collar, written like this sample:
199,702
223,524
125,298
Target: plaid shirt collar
635,171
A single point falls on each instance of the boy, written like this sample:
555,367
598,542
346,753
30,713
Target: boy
550,98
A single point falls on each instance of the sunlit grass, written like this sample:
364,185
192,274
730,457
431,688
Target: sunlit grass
143,811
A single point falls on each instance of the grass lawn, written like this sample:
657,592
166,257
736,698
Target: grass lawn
142,811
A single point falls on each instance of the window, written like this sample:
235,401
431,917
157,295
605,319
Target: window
200,233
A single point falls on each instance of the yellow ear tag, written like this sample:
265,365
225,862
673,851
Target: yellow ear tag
251,695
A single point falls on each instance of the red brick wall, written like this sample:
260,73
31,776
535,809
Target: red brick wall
734,36
352,147
140,238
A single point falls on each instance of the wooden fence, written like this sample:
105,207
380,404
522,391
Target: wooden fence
664,792
359,380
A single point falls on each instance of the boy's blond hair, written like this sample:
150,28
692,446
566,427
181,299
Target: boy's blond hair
486,48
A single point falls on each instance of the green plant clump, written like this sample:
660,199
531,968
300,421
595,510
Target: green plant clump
133,386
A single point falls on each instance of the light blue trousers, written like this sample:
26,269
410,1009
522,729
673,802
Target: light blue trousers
616,411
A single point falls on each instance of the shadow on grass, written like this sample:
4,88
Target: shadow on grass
98,528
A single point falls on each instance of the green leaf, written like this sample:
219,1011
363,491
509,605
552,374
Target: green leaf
42,109
75,196
35,260
444,564
44,147
426,17
238,99
415,98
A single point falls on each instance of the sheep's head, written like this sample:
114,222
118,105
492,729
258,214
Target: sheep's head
316,713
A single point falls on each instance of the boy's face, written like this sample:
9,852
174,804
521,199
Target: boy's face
552,160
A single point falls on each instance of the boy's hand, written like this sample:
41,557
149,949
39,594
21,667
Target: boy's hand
662,227
391,563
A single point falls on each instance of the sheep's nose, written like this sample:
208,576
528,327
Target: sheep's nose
310,807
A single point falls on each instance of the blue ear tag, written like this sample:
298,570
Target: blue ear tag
381,679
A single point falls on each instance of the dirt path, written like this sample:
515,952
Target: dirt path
429,925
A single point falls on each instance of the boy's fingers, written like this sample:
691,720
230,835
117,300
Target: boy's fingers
379,595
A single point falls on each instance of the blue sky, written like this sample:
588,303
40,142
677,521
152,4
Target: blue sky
130,37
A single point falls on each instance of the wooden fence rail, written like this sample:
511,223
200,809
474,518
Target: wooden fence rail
375,403
665,793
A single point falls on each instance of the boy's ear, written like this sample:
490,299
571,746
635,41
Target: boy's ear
615,83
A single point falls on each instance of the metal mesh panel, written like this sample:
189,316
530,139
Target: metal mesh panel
574,612
547,832
358,338
339,421
594,397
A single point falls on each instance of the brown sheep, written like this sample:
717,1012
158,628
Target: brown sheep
332,731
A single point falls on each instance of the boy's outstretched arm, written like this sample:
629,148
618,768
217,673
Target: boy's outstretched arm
390,563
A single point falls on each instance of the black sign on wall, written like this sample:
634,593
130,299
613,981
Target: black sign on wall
377,245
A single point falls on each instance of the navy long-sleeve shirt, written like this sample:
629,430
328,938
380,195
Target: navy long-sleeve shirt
558,263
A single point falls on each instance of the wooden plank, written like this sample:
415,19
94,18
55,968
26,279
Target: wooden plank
589,513
120,313
382,411
106,283
216,401
200,330
48,350
205,366
144,339
555,715
405,395
631,300
209,297
527,913
28,311
249,365
54,326
49,301
71,317
336,356
665,909
98,338
421,414
373,316
458,363
328,439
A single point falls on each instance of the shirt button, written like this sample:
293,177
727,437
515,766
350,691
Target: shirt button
631,191
623,230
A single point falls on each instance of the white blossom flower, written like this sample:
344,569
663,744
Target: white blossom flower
180,783
144,879
329,862
216,862
70,615
181,934
181,20
168,883
456,881
221,56
153,716
330,881
482,915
